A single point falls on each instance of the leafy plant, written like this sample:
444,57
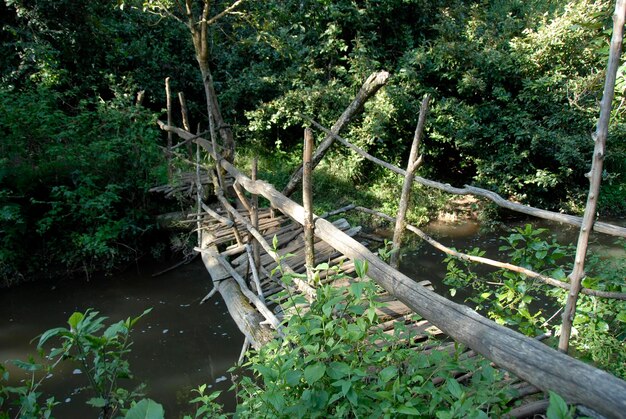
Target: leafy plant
101,357
336,361
511,298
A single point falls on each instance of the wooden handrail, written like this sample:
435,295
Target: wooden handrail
599,226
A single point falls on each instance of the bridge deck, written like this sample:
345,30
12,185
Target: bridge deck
418,333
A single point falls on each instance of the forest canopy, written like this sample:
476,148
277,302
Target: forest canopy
515,87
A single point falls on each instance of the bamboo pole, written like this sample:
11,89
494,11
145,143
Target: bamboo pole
219,191
255,273
412,165
168,98
198,191
600,227
307,202
256,255
595,175
184,113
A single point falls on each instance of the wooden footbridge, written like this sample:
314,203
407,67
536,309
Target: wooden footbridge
242,246
232,234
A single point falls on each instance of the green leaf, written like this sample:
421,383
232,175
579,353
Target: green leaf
455,389
314,372
356,289
136,319
97,402
27,366
409,410
52,333
361,267
388,373
590,283
292,377
114,330
558,408
621,316
146,409
74,319
338,370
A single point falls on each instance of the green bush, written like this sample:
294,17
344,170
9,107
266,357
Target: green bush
73,182
335,361
531,306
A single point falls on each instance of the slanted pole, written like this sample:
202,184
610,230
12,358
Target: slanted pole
369,88
412,165
595,175
307,202
184,113
256,253
199,192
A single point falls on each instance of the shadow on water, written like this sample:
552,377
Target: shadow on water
177,347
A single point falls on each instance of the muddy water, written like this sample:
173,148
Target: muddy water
177,347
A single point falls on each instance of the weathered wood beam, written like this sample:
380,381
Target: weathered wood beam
248,319
598,226
369,88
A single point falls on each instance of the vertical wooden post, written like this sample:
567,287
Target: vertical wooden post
595,175
411,167
198,187
168,98
185,115
256,255
307,203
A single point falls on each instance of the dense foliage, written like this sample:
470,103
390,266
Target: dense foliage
329,366
77,154
533,308
515,88
73,186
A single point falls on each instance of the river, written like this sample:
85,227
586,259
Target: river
178,346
